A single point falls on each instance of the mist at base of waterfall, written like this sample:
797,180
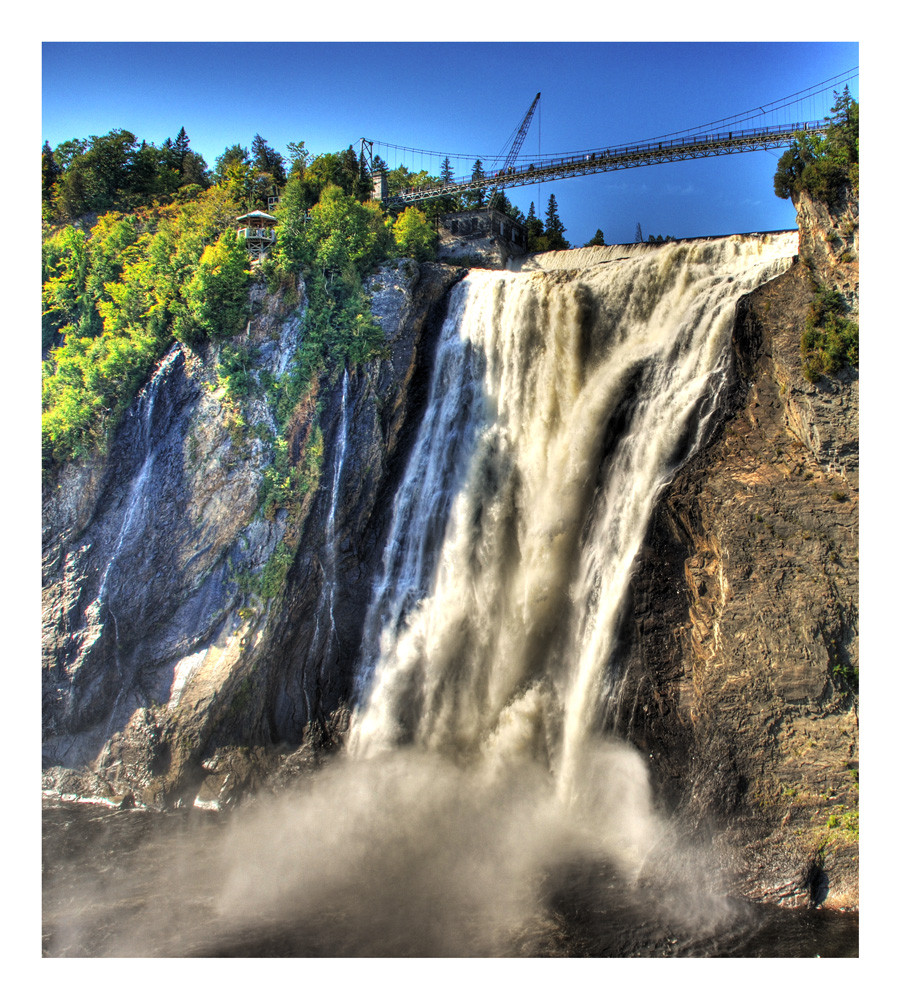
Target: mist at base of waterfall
402,855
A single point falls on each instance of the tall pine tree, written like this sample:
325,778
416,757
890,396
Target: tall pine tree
476,199
553,227
534,230
50,173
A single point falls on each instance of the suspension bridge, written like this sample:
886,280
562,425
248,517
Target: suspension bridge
723,137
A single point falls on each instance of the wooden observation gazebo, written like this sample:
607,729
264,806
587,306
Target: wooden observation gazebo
257,232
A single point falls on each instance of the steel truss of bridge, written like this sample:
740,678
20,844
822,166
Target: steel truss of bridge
620,158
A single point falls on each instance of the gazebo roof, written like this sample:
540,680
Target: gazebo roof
257,216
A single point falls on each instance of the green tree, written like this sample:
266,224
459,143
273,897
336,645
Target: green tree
414,236
475,199
111,300
229,157
597,240
553,227
343,170
216,295
503,204
108,163
823,166
67,151
268,161
830,340
50,173
534,230
66,306
342,231
180,147
298,158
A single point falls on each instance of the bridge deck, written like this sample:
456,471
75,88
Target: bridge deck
594,161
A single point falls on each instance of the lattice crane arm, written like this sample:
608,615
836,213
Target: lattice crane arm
516,147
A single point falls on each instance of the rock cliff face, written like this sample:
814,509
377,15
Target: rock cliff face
165,678
741,652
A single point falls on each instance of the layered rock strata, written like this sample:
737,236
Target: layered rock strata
740,676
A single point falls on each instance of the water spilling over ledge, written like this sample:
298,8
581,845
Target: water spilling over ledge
559,407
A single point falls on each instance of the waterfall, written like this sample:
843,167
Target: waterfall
331,536
561,403
139,499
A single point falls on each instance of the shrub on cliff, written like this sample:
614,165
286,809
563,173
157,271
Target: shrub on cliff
830,340
823,166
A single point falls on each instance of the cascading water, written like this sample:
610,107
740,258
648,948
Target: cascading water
137,497
330,568
561,403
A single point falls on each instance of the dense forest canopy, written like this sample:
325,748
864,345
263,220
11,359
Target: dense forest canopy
140,250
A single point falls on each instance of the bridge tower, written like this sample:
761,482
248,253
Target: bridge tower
379,185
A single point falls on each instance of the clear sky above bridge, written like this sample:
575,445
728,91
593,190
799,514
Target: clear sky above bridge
465,98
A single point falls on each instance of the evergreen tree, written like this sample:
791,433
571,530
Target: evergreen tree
266,160
194,170
534,230
50,173
597,240
503,204
638,237
180,148
553,227
475,199
447,174
147,171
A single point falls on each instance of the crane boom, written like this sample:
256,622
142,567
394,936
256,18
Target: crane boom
516,147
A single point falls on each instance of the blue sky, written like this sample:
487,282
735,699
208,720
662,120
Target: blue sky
463,98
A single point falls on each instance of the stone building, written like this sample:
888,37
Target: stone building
481,222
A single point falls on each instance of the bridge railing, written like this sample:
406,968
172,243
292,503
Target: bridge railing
620,157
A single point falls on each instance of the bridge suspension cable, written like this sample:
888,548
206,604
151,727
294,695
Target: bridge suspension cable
722,124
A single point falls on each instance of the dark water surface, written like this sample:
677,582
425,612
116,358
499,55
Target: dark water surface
133,883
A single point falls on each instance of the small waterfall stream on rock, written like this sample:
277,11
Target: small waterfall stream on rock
483,806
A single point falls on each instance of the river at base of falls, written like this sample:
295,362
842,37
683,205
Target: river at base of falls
142,884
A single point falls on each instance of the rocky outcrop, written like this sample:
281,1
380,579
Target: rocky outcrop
166,676
740,675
